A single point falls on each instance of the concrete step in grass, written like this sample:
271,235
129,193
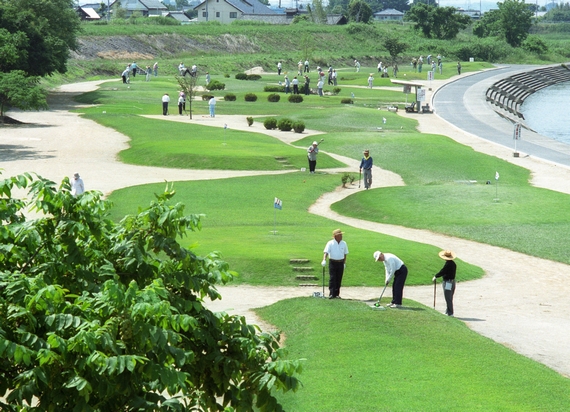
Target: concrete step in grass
306,277
303,269
299,260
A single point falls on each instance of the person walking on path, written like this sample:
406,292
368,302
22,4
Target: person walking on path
448,275
336,250
370,80
212,106
394,268
320,85
77,186
165,101
155,69
279,67
458,67
312,153
366,169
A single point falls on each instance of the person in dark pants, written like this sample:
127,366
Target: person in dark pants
165,101
312,153
448,275
394,268
307,86
336,250
366,167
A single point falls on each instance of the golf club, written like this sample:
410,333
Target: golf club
323,281
322,140
359,177
434,292
377,304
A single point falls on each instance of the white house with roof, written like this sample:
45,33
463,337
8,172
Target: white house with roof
227,11
389,15
146,7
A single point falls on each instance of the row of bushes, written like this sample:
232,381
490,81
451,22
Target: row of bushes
243,76
284,124
281,89
274,97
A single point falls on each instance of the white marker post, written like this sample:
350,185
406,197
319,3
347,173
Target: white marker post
517,136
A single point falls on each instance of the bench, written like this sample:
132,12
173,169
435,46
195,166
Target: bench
411,108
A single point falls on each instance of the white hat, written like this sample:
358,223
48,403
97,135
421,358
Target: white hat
377,255
315,142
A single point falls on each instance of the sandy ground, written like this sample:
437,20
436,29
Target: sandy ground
522,302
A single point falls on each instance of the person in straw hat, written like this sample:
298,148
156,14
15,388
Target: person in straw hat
448,275
336,249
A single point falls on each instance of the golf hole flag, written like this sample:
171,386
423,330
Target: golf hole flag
496,175
277,204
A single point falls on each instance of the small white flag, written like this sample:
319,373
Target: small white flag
496,175
277,204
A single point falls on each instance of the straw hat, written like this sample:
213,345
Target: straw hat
337,232
447,255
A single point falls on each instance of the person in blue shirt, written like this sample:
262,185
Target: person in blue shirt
366,169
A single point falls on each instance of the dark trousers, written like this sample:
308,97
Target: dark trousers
307,89
295,89
398,286
180,108
448,294
164,108
336,270
312,165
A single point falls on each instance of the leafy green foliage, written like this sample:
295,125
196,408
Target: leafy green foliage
516,20
274,89
230,97
43,32
359,11
295,98
103,316
394,46
347,100
250,97
215,85
285,124
437,22
249,120
535,44
241,76
273,97
270,123
299,126
21,91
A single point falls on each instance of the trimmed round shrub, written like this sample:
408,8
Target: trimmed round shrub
336,90
230,97
347,101
299,126
274,89
270,123
249,120
295,98
285,125
207,96
241,76
253,77
273,97
227,75
250,97
215,85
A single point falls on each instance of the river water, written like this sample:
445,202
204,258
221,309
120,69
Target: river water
547,112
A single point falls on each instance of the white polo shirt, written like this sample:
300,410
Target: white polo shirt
336,250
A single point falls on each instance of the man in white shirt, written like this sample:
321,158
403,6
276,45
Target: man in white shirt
77,186
165,101
394,268
336,250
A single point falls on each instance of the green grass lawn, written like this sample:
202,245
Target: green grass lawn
360,359
241,220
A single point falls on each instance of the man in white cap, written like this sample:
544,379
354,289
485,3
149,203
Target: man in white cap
396,269
312,153
448,275
336,249
77,186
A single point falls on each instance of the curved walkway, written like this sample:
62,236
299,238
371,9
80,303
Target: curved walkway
511,305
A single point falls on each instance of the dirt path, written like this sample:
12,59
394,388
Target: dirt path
522,302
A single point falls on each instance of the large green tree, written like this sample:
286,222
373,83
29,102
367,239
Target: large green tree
101,316
516,21
394,46
36,37
46,31
511,21
442,23
359,11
